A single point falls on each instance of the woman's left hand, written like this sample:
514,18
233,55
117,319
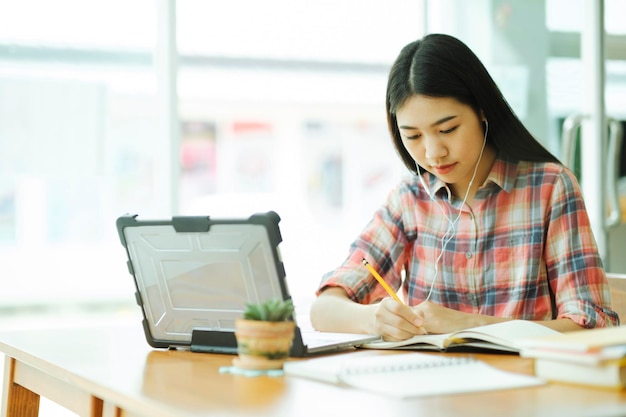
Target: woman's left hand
439,319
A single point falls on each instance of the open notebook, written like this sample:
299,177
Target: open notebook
194,275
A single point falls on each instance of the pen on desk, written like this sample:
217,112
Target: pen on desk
381,281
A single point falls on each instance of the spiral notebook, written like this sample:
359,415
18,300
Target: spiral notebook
409,374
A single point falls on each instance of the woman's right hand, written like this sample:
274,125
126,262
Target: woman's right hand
395,321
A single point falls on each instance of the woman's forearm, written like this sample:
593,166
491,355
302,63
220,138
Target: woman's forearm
333,311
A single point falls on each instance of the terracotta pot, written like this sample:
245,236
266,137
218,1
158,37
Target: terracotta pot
263,344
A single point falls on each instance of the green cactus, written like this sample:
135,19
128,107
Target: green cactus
270,310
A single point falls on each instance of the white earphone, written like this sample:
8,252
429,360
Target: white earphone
451,230
424,184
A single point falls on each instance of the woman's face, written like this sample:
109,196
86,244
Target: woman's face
445,137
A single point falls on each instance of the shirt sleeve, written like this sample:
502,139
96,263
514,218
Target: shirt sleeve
574,267
384,244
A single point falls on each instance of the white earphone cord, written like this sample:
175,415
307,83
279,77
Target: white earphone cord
445,239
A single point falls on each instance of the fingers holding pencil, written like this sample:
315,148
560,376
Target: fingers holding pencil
395,321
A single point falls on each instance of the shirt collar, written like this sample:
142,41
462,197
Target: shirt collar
503,173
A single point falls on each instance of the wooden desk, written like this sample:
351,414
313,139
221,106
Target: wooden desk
112,372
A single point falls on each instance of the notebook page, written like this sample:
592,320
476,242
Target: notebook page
417,375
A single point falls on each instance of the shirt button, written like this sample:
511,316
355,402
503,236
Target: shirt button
468,254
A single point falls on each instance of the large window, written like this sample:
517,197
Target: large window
280,106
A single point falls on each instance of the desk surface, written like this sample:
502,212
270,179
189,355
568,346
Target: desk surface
116,364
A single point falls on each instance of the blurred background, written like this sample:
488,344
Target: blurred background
225,108
162,107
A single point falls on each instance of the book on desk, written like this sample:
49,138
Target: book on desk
594,357
499,337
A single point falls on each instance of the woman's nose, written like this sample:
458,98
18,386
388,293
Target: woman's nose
434,149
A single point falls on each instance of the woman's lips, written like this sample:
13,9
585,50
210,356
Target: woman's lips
444,169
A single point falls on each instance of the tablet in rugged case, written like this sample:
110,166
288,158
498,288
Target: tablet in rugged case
194,275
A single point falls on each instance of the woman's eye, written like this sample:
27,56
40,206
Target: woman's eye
449,130
413,137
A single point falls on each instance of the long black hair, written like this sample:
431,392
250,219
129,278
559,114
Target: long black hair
440,65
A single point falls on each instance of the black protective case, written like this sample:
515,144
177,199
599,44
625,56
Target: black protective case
194,276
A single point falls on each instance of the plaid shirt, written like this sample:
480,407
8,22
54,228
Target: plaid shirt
523,250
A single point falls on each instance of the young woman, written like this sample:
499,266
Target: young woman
489,226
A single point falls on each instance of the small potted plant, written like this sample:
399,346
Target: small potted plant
264,335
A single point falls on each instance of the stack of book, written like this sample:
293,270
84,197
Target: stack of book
595,357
